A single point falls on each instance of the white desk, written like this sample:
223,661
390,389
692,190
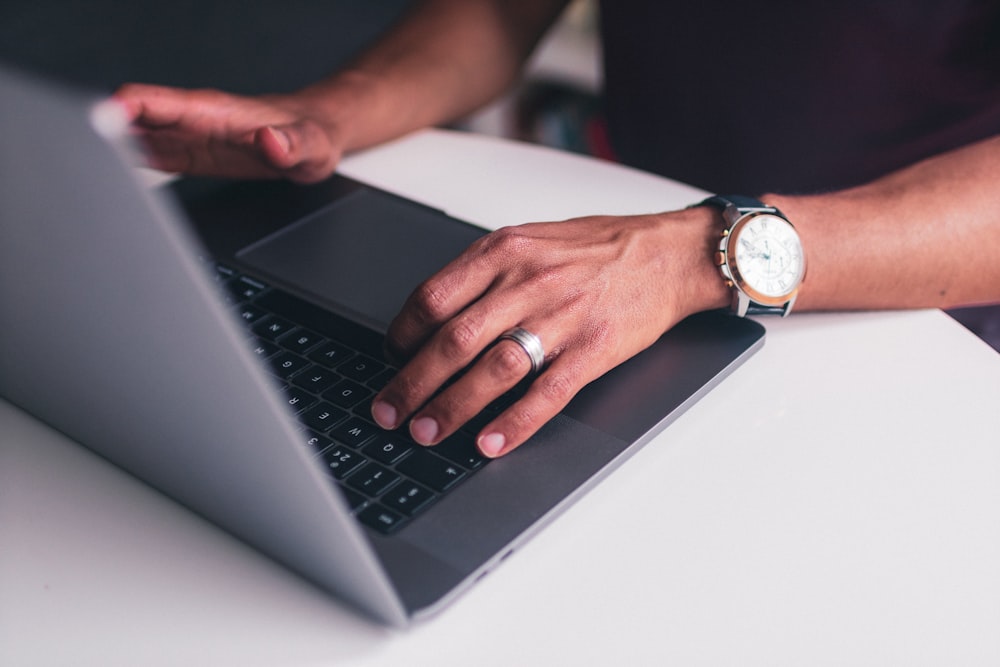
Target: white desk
836,501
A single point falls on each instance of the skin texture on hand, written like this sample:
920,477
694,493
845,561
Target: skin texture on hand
595,290
211,133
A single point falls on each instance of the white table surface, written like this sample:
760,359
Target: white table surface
836,501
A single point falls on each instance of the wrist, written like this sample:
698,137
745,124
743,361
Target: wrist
698,284
344,101
369,107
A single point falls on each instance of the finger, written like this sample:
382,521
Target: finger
131,107
174,151
450,350
275,145
547,395
302,150
440,298
499,370
153,106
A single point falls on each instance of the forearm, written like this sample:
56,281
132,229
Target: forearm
923,236
444,60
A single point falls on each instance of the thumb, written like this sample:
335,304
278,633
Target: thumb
301,150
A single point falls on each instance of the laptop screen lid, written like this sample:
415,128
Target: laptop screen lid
85,250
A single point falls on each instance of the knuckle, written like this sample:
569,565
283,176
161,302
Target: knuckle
556,388
508,362
521,419
549,393
506,241
545,277
595,339
429,302
459,338
577,300
599,335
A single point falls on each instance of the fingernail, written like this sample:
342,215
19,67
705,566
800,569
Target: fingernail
424,430
384,414
492,444
281,138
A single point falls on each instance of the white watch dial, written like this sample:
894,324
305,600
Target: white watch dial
769,255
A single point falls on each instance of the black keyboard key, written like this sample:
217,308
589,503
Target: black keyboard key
285,364
318,319
315,379
361,368
224,273
245,288
317,441
263,349
300,340
461,449
355,500
388,448
331,354
354,432
273,327
431,470
373,479
407,497
381,519
322,416
297,399
249,313
347,394
341,461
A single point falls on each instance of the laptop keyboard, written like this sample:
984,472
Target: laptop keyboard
386,478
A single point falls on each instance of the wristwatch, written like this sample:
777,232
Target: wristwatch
760,256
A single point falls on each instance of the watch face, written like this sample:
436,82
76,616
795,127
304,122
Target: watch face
767,255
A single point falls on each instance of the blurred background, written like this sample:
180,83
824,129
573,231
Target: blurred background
271,46
244,47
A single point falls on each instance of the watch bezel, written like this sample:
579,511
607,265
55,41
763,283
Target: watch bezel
727,248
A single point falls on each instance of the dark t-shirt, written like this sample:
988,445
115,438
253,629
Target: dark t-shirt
746,97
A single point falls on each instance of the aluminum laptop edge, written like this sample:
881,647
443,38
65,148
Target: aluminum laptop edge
115,334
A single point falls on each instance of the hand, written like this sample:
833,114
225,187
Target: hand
595,290
211,133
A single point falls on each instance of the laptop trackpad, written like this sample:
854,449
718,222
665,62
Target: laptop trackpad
363,254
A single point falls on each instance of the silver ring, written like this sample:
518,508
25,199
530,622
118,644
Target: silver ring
530,343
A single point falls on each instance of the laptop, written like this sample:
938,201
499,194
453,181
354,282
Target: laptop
140,323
